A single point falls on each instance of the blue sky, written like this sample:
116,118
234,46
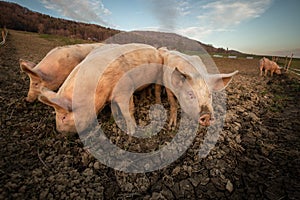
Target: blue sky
257,26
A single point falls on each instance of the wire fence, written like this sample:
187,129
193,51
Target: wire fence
295,71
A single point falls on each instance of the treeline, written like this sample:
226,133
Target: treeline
14,16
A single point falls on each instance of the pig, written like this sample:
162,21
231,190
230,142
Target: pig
188,79
268,65
108,63
54,68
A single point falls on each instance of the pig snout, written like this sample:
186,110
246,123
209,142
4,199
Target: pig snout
66,129
206,119
30,98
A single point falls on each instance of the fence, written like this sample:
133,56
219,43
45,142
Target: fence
295,71
287,67
4,33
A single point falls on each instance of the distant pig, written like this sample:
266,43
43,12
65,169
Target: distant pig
54,67
109,63
191,85
268,65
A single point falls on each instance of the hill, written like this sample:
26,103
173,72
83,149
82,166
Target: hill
170,40
14,16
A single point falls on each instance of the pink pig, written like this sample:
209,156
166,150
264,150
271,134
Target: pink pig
54,67
268,65
109,64
188,79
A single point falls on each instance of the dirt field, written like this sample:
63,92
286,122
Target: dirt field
256,157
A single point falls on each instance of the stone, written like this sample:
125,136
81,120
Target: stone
229,186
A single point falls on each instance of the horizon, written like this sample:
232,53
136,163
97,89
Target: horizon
261,27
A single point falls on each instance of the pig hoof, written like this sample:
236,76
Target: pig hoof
131,130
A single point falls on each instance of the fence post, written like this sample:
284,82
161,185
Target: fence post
285,63
287,68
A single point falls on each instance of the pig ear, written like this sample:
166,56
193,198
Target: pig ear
26,63
27,66
218,82
178,77
50,98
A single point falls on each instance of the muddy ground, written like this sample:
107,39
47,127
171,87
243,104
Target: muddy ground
256,157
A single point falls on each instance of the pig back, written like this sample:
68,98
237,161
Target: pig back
99,72
59,62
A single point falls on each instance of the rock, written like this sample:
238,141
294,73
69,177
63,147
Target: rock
157,196
96,165
238,139
176,170
188,169
186,185
195,180
60,187
176,191
204,181
229,186
167,193
254,117
218,183
168,181
44,193
85,159
11,185
142,183
88,172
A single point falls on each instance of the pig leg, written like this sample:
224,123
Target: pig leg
131,109
157,93
149,90
272,73
261,70
114,109
266,72
173,109
128,116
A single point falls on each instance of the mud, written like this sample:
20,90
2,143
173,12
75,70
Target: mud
256,157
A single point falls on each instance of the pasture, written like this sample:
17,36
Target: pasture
256,157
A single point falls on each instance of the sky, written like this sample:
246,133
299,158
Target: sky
265,27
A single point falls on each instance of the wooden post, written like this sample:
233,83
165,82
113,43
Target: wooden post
287,68
285,63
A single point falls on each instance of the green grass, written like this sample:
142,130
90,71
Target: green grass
63,40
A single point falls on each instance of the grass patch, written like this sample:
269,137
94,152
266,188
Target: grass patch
63,40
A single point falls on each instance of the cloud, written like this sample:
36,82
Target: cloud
216,15
183,8
168,11
222,16
199,32
84,11
232,12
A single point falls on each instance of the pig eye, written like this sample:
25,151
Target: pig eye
63,118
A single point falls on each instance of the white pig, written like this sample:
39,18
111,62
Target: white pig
108,63
268,65
54,68
188,84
